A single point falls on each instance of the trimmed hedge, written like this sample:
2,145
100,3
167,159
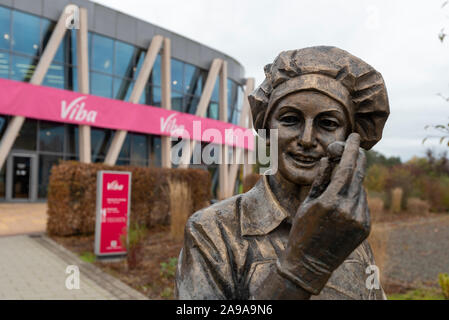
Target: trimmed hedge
72,195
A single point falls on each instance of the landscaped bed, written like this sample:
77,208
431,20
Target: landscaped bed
154,276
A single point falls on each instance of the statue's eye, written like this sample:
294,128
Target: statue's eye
329,124
290,119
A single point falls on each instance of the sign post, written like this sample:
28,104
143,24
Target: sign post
113,209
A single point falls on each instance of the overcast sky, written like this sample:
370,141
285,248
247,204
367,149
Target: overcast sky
398,38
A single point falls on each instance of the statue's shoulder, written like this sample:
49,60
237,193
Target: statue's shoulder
223,213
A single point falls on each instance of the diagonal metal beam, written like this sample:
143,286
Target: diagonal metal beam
202,106
83,83
16,123
139,86
223,177
166,100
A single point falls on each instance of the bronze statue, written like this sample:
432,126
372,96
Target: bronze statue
300,233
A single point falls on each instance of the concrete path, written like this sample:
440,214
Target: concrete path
22,218
34,267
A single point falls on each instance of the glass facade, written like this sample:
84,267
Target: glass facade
114,66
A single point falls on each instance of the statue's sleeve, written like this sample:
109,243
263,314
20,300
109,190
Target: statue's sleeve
204,269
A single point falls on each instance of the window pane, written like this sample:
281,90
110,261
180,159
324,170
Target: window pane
100,142
156,151
125,151
177,75
26,33
193,80
72,146
51,136
72,79
213,111
122,89
177,101
26,139
47,30
4,65
55,76
156,74
22,68
124,59
122,162
45,164
5,32
139,149
191,104
156,97
236,117
101,85
102,53
216,92
73,47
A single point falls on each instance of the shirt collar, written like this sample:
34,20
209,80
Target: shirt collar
261,212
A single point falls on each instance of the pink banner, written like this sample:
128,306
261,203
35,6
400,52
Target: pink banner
45,103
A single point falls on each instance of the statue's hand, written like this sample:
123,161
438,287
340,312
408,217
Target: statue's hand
333,220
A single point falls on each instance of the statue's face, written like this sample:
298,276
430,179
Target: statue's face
307,122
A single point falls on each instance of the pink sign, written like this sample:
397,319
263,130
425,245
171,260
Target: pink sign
113,205
45,103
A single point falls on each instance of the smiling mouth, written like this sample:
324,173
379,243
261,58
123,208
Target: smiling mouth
304,161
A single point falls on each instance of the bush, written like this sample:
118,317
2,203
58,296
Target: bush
443,279
72,195
133,242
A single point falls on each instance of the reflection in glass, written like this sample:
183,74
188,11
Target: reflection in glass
122,89
5,24
26,33
47,30
26,140
213,111
102,53
4,65
156,97
156,72
100,142
46,162
55,76
177,75
72,139
177,101
191,104
101,85
216,92
125,151
125,56
139,149
193,80
155,156
51,136
22,68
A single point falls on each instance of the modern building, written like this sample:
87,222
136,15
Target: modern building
80,47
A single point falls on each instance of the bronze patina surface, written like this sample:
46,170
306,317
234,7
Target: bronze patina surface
300,233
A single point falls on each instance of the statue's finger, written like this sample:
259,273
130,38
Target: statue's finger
357,176
343,174
322,179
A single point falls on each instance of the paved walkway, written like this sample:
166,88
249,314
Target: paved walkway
34,267
22,218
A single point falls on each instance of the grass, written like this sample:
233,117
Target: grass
88,257
418,294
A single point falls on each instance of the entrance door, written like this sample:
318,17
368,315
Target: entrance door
20,178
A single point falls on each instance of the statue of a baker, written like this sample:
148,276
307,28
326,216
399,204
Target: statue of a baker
300,233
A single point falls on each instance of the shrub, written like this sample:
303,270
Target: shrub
443,279
376,178
396,200
168,269
418,206
133,242
72,195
